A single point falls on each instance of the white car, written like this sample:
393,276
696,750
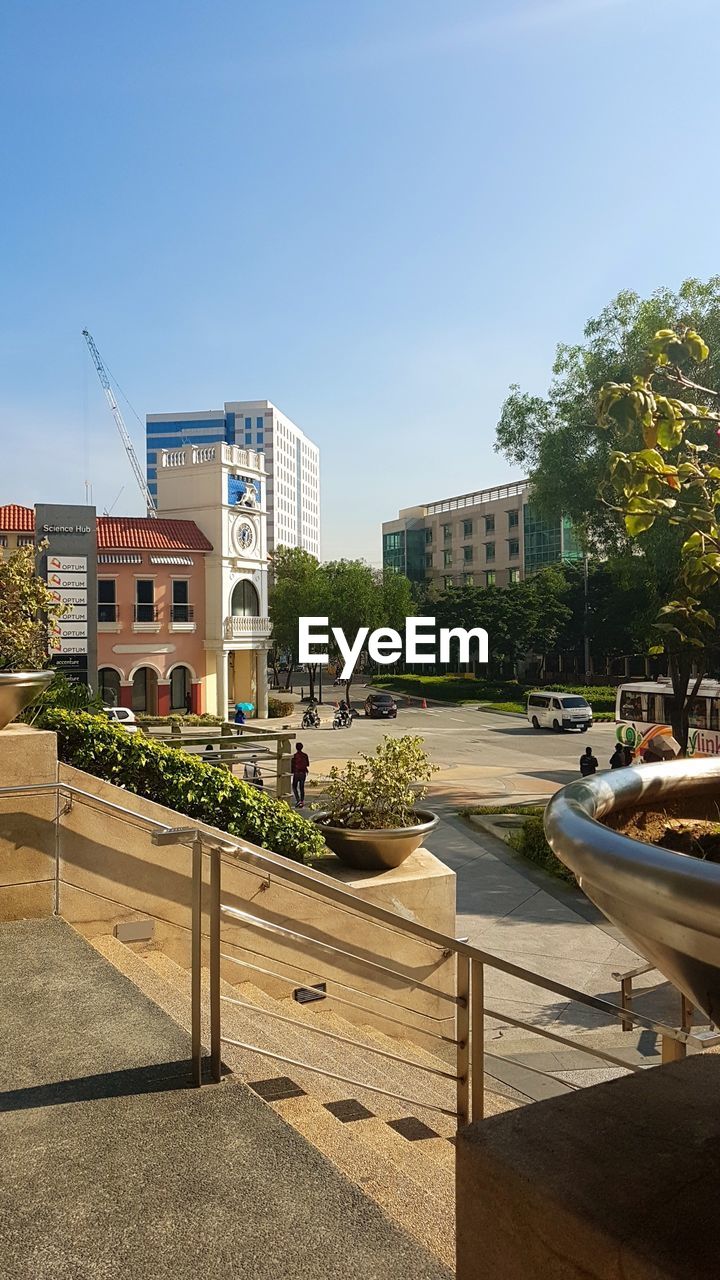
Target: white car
123,716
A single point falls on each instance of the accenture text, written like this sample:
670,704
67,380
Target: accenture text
419,640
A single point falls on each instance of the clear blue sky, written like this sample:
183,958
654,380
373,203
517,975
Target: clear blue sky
377,215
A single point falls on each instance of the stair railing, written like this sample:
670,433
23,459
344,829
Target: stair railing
466,999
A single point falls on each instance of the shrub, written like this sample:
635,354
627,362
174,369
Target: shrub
380,791
182,782
177,717
277,708
531,843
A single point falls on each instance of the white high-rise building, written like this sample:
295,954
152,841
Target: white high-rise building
292,461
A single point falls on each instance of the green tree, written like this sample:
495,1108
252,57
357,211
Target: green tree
556,438
27,611
664,473
299,590
354,599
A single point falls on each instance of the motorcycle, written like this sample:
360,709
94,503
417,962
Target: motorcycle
342,719
311,719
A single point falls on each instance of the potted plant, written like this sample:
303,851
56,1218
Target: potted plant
26,610
371,818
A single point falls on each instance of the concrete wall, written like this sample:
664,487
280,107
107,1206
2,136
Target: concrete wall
111,872
27,831
614,1182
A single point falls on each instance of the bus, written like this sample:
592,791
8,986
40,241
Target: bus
642,712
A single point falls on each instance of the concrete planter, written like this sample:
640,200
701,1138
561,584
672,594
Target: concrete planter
18,689
377,850
667,903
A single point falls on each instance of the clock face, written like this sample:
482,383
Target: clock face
243,536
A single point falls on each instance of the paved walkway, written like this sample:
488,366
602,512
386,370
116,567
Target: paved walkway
523,916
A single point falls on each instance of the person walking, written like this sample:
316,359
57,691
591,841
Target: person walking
617,759
299,768
588,763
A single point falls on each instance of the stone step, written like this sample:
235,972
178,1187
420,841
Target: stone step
420,1200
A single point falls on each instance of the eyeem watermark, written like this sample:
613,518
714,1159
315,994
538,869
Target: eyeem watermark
422,642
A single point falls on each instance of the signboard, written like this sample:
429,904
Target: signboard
69,566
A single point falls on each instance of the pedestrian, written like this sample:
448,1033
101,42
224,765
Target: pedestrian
588,763
188,702
299,768
617,759
239,715
628,753
252,774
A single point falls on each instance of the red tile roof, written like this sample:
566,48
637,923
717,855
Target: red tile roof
138,533
16,519
122,533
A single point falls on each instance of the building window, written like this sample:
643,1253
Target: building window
248,424
513,548
448,583
467,554
3,539
514,575
428,536
512,519
107,603
25,539
429,561
447,533
490,578
489,524
467,528
180,689
468,579
109,682
489,550
447,557
145,601
245,602
181,607
259,424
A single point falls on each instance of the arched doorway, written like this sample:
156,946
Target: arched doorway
245,602
180,688
144,691
109,686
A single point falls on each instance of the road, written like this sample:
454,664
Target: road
481,755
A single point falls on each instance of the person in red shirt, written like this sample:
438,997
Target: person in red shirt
299,768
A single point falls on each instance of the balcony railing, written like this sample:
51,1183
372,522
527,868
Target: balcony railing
146,613
240,627
182,613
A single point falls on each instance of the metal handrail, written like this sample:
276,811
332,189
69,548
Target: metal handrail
470,1009
271,927
317,886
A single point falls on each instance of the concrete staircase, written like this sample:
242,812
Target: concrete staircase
399,1153
112,1165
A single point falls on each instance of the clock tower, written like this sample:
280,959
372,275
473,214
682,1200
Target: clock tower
223,489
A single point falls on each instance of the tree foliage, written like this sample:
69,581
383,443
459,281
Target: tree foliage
663,470
380,791
27,610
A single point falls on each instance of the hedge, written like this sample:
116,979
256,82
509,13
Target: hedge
278,707
179,781
504,692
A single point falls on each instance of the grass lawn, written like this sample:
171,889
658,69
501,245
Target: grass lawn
502,695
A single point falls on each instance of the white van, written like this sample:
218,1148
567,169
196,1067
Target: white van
558,711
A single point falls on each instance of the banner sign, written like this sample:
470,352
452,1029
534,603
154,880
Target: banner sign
69,566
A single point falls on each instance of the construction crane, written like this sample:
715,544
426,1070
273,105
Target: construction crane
120,424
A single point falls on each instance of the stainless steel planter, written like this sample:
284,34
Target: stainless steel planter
377,850
18,689
668,904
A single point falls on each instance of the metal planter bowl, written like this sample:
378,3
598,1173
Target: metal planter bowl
668,904
18,689
377,850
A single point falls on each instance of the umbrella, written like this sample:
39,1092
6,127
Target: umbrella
244,706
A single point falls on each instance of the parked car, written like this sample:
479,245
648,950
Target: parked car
551,710
123,716
380,706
